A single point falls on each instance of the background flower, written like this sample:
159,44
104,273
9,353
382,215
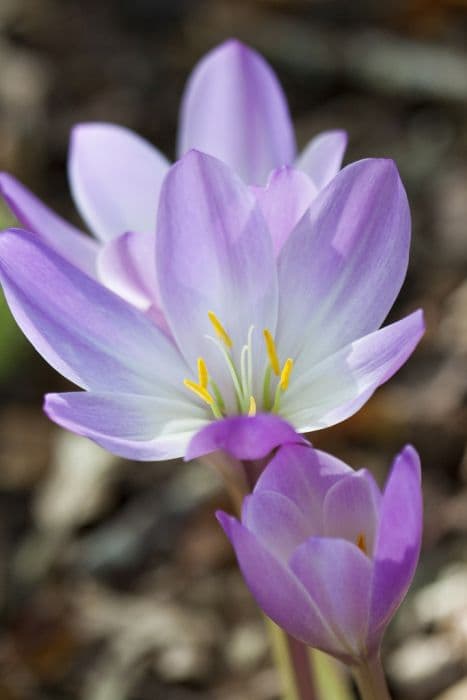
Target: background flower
233,108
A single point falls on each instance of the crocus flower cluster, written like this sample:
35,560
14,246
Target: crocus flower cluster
236,288
325,553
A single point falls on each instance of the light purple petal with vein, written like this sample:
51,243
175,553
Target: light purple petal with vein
86,332
210,237
276,521
243,437
337,575
399,537
131,426
127,266
342,268
337,387
234,108
303,475
115,178
283,201
35,216
322,157
351,509
275,588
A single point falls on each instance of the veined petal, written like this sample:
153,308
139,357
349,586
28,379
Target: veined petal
283,201
210,239
334,389
243,437
35,216
322,157
276,521
304,475
399,537
337,576
115,178
351,510
341,269
234,108
86,332
127,266
136,427
275,588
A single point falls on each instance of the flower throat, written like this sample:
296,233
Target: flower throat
242,377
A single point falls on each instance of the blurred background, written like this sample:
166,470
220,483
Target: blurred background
115,580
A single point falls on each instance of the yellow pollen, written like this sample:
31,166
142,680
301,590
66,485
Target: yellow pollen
199,390
220,330
203,374
252,407
361,543
285,374
272,352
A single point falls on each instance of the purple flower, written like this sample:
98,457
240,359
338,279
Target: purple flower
239,330
327,555
234,109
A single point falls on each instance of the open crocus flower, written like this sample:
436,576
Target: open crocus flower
234,109
327,555
240,329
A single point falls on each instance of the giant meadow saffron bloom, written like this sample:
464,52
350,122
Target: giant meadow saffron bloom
251,318
327,555
233,108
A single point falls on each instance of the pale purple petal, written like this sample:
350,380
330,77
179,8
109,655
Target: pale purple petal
234,108
335,388
210,238
276,521
115,178
67,240
322,157
127,266
351,509
275,588
342,268
283,201
303,475
399,537
337,575
86,332
243,437
131,426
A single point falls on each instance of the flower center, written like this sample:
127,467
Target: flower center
361,543
207,389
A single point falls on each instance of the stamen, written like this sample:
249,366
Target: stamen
200,391
285,374
361,543
272,352
203,373
220,330
252,407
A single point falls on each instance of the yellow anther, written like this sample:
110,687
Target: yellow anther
272,352
199,391
203,374
220,330
361,543
285,374
252,407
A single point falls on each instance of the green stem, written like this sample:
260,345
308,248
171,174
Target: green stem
370,680
306,673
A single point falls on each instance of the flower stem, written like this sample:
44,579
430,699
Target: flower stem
370,680
302,668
